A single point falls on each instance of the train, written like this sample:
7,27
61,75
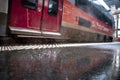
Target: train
72,20
117,35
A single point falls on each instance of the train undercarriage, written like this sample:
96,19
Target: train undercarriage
68,36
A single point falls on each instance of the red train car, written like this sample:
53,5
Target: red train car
117,38
64,19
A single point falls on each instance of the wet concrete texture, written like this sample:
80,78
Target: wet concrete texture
96,62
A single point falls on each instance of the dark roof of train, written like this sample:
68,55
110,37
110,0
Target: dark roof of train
104,11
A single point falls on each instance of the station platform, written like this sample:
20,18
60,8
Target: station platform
83,61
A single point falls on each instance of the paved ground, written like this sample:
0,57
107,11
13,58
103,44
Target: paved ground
64,62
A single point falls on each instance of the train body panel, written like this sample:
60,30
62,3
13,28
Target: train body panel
118,38
40,18
52,19
79,18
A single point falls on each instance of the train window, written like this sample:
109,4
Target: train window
53,7
99,14
95,9
84,22
81,2
32,4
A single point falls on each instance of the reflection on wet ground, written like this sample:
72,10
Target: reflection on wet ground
95,62
111,70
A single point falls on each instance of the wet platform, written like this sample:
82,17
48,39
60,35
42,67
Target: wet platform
94,61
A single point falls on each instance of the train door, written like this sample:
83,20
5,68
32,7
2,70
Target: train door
34,16
52,15
26,15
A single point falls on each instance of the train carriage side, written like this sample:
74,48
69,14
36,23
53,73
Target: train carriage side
81,20
63,19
